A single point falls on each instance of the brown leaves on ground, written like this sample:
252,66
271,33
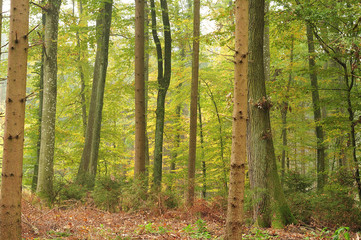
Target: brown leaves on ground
84,221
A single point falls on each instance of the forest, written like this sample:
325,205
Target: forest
180,119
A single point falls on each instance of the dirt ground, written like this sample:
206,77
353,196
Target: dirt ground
83,221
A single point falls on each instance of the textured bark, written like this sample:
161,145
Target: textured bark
12,164
89,161
163,84
193,107
139,161
270,207
321,175
46,157
235,212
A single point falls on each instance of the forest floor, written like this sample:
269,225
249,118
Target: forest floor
84,221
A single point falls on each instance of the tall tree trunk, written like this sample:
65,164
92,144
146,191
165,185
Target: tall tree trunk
193,107
40,112
12,165
82,63
146,80
139,164
224,170
235,212
204,167
163,84
89,161
321,175
284,111
270,207
46,158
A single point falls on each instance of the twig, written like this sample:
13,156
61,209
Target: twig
42,7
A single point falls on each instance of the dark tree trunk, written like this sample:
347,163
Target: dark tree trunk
89,161
163,84
270,207
320,162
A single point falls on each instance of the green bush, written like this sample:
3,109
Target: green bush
334,207
67,190
296,182
107,193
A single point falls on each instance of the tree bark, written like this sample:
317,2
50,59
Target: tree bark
235,212
320,162
139,165
270,207
89,161
46,157
12,165
193,107
163,84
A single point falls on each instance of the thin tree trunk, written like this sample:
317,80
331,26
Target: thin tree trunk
163,84
139,164
193,107
82,62
12,165
224,170
321,175
270,207
235,213
40,112
89,161
46,158
146,80
284,111
204,167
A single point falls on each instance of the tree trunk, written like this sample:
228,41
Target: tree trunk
34,183
146,80
270,207
321,175
193,107
204,167
235,212
89,161
224,170
12,165
46,157
284,111
82,63
163,84
139,165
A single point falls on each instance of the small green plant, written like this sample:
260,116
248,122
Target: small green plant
257,233
59,234
150,228
199,231
341,233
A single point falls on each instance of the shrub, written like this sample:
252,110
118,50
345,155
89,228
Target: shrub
107,192
296,182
